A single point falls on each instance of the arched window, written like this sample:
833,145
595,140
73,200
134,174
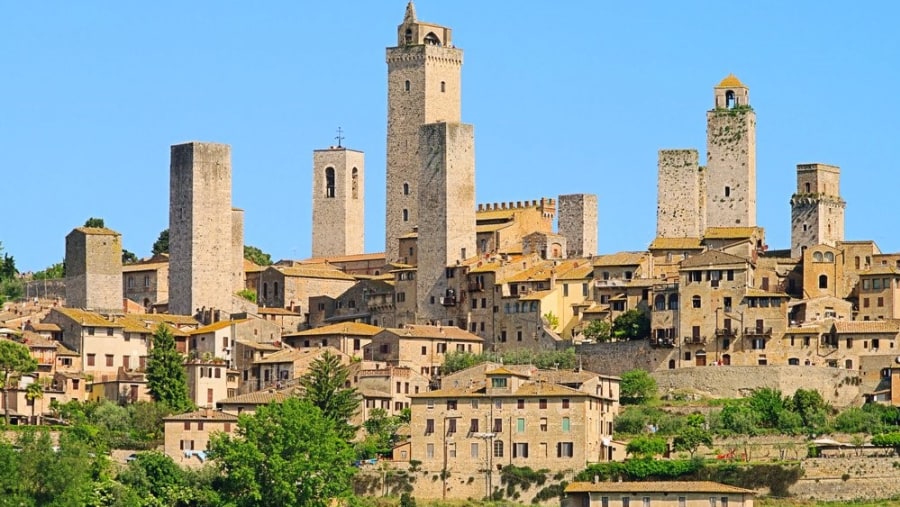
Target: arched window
673,301
808,188
408,36
823,281
443,86
659,302
329,182
405,188
406,215
696,302
730,100
406,85
817,256
265,290
829,256
354,182
432,39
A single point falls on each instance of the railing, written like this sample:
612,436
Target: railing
695,340
662,342
756,332
726,333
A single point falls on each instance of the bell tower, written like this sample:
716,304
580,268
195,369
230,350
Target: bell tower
423,88
817,209
731,157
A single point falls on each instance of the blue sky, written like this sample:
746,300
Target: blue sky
565,97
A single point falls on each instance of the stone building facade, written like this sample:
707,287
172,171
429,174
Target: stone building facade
202,254
446,216
423,87
578,223
147,282
338,215
94,269
679,212
817,209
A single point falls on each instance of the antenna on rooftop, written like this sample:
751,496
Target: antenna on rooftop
339,137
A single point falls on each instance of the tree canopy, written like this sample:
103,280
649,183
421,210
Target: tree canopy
286,453
161,245
325,388
53,272
166,378
15,361
636,386
257,256
631,325
128,257
95,222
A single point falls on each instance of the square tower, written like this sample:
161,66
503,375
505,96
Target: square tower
731,157
578,223
338,213
679,195
817,209
447,220
423,87
201,220
94,270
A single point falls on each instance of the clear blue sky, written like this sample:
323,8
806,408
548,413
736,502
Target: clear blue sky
565,97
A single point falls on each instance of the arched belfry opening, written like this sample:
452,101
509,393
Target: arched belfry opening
730,100
329,182
354,181
408,36
432,39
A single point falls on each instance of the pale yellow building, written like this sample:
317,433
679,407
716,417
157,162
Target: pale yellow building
187,435
656,494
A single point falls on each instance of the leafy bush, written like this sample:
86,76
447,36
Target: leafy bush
636,386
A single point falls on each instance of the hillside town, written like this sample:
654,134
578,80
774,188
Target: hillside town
496,336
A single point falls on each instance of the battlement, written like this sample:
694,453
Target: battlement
545,203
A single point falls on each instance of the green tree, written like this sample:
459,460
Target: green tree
691,438
15,361
128,257
34,392
161,245
636,387
736,417
857,420
166,378
769,405
325,388
552,320
646,446
95,222
53,272
381,433
286,453
147,420
812,409
157,479
598,331
631,325
60,475
257,256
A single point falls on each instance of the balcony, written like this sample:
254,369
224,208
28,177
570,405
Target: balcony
476,286
662,342
726,333
694,340
448,301
758,332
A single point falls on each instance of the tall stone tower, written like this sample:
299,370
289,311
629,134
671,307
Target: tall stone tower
94,270
817,209
680,195
731,157
578,223
423,87
201,220
447,217
338,215
237,248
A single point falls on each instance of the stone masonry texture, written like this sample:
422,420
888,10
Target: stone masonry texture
578,223
338,221
678,191
94,270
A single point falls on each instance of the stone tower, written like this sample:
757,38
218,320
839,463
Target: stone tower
817,210
94,270
237,248
423,87
201,221
578,223
680,195
338,202
731,157
447,218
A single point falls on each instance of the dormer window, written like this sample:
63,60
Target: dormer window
499,382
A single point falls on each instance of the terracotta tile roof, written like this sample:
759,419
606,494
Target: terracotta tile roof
535,295
751,292
203,415
97,231
348,328
567,376
575,269
258,397
492,227
143,266
277,311
36,341
314,271
252,267
596,308
676,244
502,370
808,329
867,326
300,357
655,486
178,320
537,273
258,345
620,259
373,393
216,326
87,318
729,232
731,81
62,350
45,327
880,270
134,324
712,258
495,214
375,256
444,332
547,389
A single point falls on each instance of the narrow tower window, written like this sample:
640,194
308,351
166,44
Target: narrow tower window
730,100
443,86
727,191
807,188
354,182
406,215
406,85
823,281
408,38
406,189
329,182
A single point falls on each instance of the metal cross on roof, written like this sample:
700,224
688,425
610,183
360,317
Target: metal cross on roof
339,136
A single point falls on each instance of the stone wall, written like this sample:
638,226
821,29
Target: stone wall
678,194
578,224
848,478
94,269
731,168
